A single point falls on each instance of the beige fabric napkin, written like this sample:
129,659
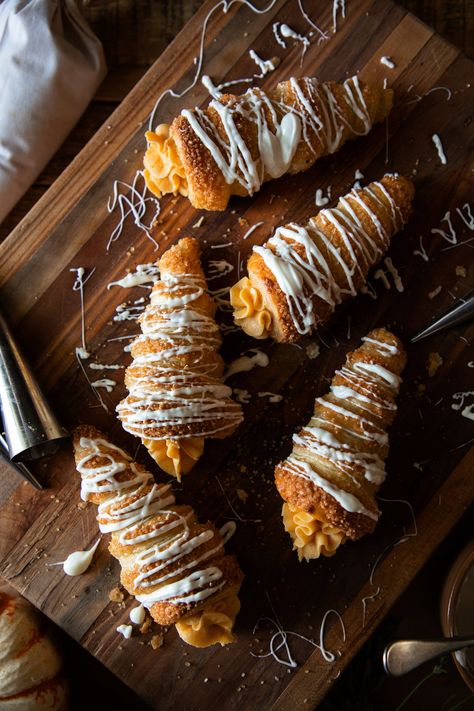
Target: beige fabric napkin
51,64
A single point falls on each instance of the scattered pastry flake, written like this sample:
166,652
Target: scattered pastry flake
116,595
421,387
312,350
435,292
242,494
434,363
145,626
461,271
156,641
82,505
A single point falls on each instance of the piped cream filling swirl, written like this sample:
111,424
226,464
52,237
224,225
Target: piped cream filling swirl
311,535
164,172
250,312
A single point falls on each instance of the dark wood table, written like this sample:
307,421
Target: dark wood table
134,33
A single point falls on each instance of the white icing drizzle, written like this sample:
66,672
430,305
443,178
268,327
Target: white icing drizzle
105,383
242,396
166,395
358,175
79,283
78,562
252,229
365,385
337,5
397,280
228,530
467,410
231,154
219,268
304,276
421,252
105,366
322,35
133,203
96,392
284,32
208,84
144,274
265,65
439,147
388,62
125,631
272,397
137,615
280,639
132,503
245,363
320,199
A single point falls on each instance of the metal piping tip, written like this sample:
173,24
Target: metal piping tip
31,429
460,314
19,467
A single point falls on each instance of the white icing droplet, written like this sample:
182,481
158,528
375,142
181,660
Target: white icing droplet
78,562
439,147
125,630
272,397
388,62
137,615
320,199
82,353
245,363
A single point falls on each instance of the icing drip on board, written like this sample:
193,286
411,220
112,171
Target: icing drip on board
129,505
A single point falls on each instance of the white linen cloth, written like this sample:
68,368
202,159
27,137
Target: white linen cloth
51,64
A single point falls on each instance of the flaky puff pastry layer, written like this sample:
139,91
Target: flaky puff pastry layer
174,565
337,462
239,142
177,398
299,276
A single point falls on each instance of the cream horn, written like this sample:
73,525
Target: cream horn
240,142
297,278
331,477
172,564
177,398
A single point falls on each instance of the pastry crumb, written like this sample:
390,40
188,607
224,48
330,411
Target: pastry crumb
242,494
312,350
145,626
116,595
461,271
82,505
156,641
434,362
243,222
435,292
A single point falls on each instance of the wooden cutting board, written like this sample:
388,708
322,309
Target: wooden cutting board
430,464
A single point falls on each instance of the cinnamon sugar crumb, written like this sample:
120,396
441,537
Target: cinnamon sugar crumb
435,292
242,494
156,641
461,271
145,626
434,362
116,595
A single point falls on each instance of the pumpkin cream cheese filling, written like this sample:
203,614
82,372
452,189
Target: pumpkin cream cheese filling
213,624
311,536
176,456
250,312
164,172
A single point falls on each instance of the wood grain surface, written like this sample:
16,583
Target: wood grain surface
428,465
